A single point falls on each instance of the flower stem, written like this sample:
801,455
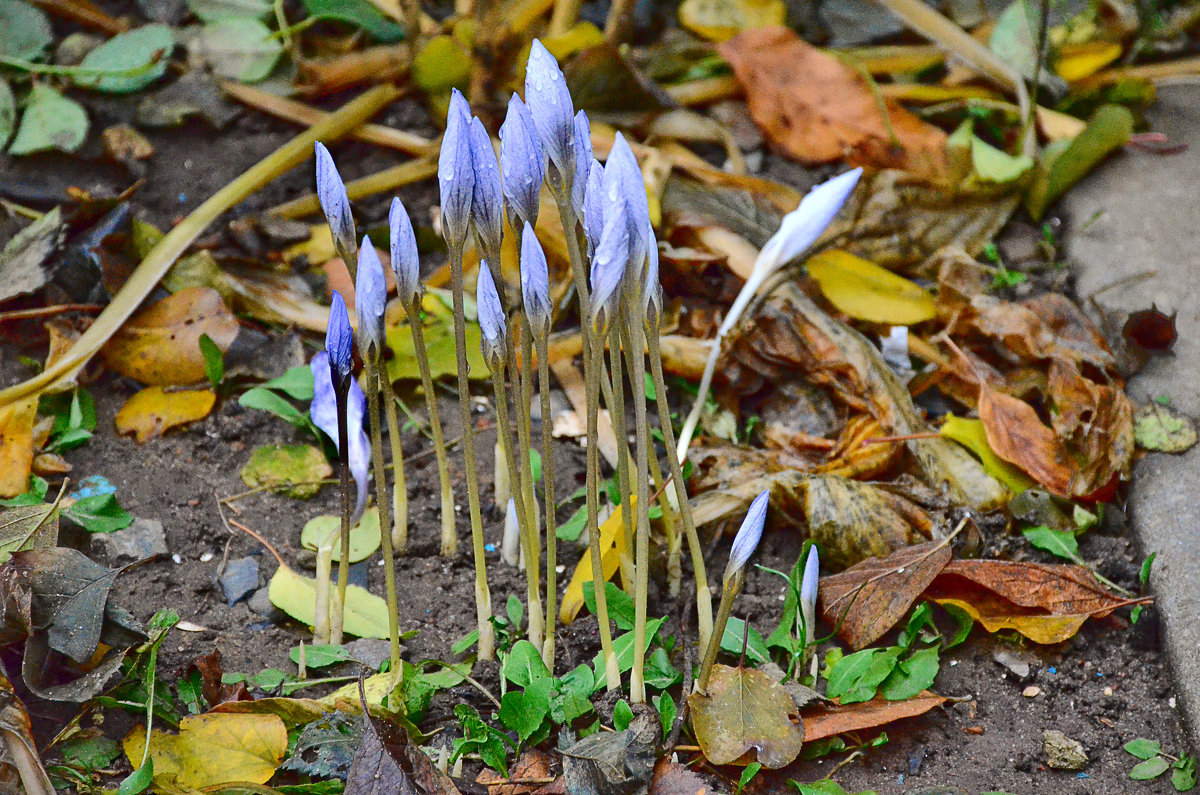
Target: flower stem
634,350
399,534
615,400
543,364
483,597
449,536
730,592
592,378
378,390
704,619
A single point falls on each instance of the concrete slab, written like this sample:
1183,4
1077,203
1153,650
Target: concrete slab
1141,212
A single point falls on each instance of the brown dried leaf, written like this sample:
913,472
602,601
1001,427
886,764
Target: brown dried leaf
1055,588
746,711
1095,423
852,520
817,109
672,778
1017,434
19,749
871,597
528,775
388,763
867,715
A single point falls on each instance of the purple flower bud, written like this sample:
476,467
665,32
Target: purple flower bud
370,300
593,206
535,282
487,203
406,262
491,315
324,415
331,192
805,224
808,592
456,172
748,535
608,268
583,160
523,163
653,288
339,339
549,101
623,185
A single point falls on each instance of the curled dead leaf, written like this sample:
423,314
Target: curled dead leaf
867,715
1018,435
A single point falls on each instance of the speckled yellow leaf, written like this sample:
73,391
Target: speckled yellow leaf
16,445
865,291
212,749
719,20
971,434
1077,61
1044,629
154,410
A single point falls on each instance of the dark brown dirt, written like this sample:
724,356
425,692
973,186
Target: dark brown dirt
990,740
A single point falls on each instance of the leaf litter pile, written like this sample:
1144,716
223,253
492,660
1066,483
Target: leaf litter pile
916,391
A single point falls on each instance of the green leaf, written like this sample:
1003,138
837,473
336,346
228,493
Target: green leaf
747,776
478,737
320,656
784,636
1144,571
90,753
523,665
622,715
1143,748
139,780
856,677
620,605
266,400
651,392
297,470
214,361
241,48
1183,777
359,13
1057,542
623,649
571,529
963,624
514,611
24,31
572,698
8,113
659,673
35,494
666,711
525,711
911,675
133,59
995,165
212,10
296,383
731,641
50,121
1151,768
1107,131
100,514
535,464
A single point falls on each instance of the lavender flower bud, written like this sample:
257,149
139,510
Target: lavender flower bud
748,536
487,203
805,224
339,340
370,300
623,185
523,163
323,411
583,160
653,288
608,268
456,172
406,262
808,592
593,206
549,101
331,192
491,315
535,282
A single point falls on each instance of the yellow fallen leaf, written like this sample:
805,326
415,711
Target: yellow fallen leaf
971,434
720,20
161,345
154,410
572,599
318,248
1045,629
1077,61
296,595
865,291
212,749
16,445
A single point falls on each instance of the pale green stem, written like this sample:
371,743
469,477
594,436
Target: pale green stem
324,568
483,597
732,587
377,391
449,536
543,359
704,619
633,349
591,376
615,400
400,486
674,539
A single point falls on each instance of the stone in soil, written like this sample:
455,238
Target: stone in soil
239,579
142,539
1062,752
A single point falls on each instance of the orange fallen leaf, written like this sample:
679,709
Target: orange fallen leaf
867,715
16,445
672,778
161,345
1018,435
818,109
153,410
530,773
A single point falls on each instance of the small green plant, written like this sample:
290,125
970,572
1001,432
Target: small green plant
1155,762
214,362
1004,278
896,672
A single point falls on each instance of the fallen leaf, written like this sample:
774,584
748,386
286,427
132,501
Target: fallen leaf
534,766
746,711
19,750
1161,428
817,109
23,258
161,345
610,529
292,711
241,48
1064,163
1077,60
438,331
1017,435
152,411
613,762
852,520
50,121
1151,330
866,715
292,469
1095,424
865,291
16,445
869,598
971,434
602,80
721,20
142,54
27,527
296,595
364,535
216,748
673,778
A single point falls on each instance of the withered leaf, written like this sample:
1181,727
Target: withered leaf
672,778
16,445
746,711
44,676
852,520
613,763
867,715
1095,423
19,748
27,527
1017,434
534,767
387,762
1151,330
870,597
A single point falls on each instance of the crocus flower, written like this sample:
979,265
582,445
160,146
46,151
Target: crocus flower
324,415
491,315
608,267
802,226
339,340
808,592
406,262
487,202
523,163
535,281
583,160
331,192
549,102
456,173
748,535
370,300
593,206
624,186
